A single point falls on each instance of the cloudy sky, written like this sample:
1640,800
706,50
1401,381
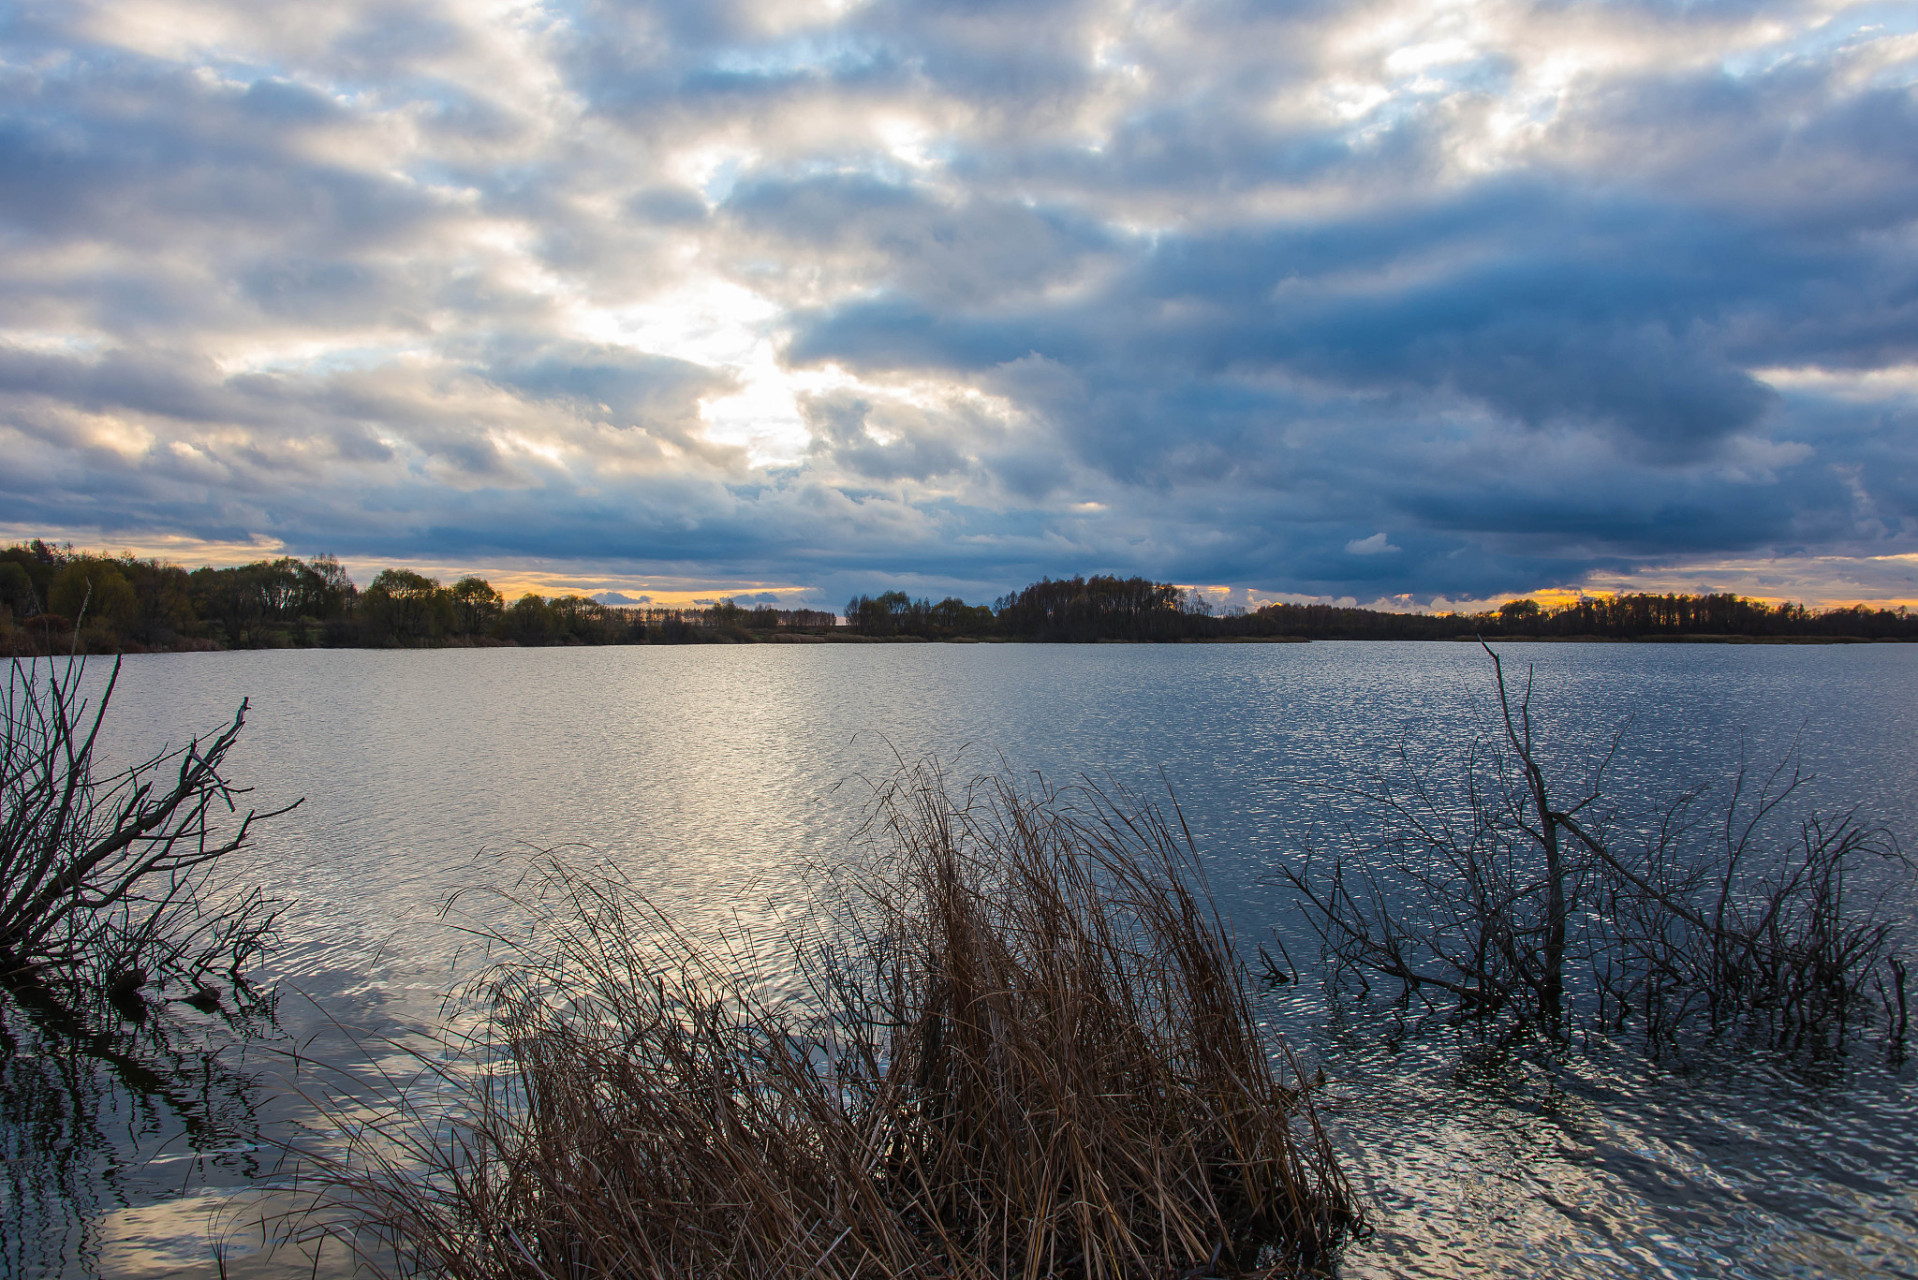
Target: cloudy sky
1426,299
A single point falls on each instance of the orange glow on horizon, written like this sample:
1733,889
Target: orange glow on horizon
510,580
1839,591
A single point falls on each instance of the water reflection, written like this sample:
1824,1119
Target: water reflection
714,775
103,1112
1740,1162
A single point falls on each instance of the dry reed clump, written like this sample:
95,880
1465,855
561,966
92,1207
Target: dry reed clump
1021,1046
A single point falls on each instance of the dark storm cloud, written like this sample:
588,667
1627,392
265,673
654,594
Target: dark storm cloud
120,149
842,427
965,293
1542,307
946,254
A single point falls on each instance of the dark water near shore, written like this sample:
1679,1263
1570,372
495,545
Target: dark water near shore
715,775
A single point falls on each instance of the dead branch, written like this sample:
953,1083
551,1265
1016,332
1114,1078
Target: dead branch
105,881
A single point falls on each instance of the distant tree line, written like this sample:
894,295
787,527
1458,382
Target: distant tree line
894,613
1138,609
55,600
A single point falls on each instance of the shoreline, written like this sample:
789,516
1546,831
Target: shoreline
805,638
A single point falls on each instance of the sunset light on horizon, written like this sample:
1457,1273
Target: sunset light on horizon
1404,304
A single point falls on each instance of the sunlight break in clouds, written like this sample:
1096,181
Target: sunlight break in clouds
828,297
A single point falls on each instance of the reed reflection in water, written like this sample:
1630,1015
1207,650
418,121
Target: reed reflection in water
713,775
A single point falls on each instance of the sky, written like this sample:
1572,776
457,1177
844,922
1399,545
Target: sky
1413,302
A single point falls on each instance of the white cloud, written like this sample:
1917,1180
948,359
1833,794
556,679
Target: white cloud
1371,546
968,294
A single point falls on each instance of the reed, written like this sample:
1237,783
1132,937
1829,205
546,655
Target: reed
1014,1040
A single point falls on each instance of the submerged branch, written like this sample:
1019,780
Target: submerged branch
1537,912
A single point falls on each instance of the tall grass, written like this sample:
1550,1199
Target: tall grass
1015,1042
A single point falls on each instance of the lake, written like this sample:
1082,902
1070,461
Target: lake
717,775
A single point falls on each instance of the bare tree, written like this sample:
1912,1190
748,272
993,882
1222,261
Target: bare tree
108,881
1707,911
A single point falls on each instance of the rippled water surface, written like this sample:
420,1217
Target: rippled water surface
717,775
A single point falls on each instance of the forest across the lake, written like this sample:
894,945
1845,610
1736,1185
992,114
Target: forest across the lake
55,599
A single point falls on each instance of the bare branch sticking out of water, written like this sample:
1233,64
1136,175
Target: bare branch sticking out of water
109,882
1709,913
